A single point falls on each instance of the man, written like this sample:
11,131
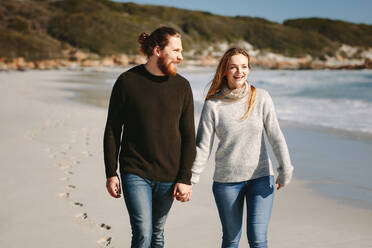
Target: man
150,130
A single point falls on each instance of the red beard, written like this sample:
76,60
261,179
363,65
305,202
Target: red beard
167,69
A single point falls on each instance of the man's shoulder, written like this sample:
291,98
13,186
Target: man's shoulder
183,82
130,74
132,71
181,78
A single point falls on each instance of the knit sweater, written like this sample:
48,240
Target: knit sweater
151,122
241,154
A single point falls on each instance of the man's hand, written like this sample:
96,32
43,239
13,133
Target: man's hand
182,192
113,186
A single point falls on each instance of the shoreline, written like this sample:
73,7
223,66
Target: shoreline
123,61
59,165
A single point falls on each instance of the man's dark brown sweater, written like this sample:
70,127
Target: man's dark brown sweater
155,117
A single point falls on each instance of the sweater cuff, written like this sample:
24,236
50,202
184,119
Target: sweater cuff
284,177
184,181
111,174
184,177
195,179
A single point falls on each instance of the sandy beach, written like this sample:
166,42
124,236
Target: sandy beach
52,180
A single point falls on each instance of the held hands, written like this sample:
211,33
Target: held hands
182,192
113,186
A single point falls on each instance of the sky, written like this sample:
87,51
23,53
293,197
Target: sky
356,11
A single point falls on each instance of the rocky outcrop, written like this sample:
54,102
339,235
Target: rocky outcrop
72,59
137,60
121,60
347,58
366,65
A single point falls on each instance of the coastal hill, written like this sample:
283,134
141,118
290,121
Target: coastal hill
51,29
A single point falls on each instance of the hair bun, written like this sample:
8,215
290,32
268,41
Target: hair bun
142,37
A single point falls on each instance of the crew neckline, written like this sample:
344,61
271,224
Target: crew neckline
153,77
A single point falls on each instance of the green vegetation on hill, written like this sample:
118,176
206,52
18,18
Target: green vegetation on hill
39,29
338,31
23,31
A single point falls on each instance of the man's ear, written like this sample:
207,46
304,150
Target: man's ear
156,51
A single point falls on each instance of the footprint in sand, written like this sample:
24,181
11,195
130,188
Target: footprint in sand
69,172
78,204
65,195
83,219
82,216
70,186
87,153
104,242
104,226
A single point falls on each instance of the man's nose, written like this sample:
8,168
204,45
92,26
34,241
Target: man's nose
180,57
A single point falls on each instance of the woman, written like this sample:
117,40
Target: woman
238,113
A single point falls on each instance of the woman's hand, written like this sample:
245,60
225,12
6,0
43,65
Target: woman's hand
279,186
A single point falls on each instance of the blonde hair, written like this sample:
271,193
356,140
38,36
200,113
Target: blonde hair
220,81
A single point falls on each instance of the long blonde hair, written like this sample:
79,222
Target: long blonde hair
220,81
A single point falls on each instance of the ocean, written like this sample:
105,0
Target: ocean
335,99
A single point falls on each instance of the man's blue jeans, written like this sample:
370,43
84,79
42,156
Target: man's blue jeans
148,203
259,195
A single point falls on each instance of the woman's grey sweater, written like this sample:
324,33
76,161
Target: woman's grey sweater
241,154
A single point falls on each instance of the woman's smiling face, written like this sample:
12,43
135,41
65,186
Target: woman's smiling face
237,71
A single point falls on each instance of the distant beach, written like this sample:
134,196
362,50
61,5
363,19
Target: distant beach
52,178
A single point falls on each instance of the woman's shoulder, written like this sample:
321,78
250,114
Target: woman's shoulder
262,94
260,90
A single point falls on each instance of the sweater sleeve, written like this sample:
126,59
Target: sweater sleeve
187,130
204,141
277,141
112,134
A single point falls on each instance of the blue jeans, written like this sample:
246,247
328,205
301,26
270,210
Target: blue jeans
259,196
148,203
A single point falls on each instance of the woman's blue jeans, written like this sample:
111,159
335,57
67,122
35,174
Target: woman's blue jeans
148,203
259,195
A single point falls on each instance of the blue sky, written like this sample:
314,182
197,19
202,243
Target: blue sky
357,11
